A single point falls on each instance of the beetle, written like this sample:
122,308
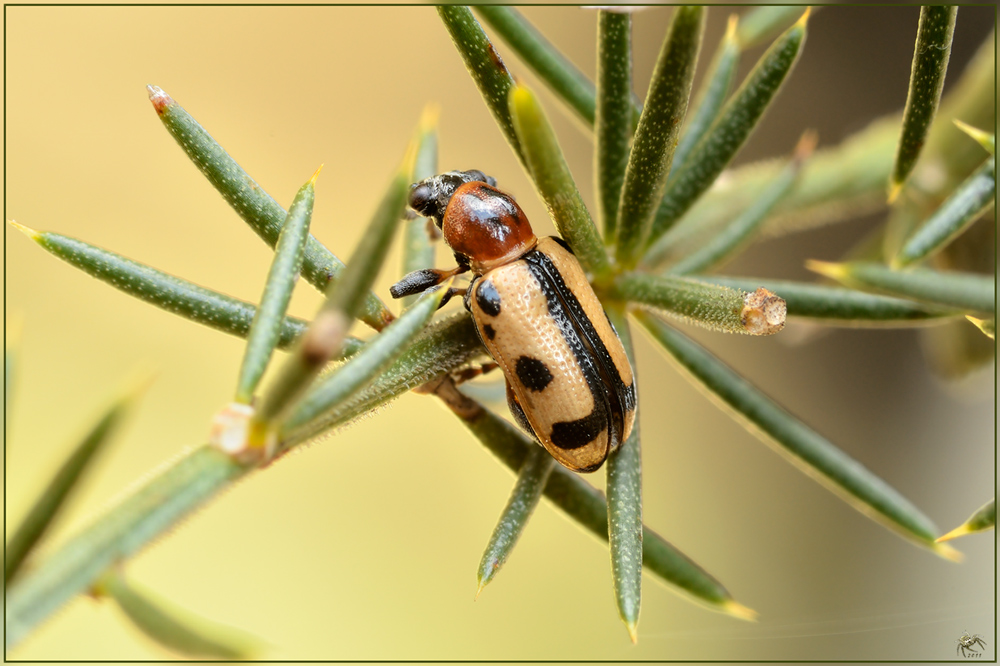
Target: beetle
569,382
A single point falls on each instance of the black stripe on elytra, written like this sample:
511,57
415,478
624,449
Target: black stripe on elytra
564,244
598,367
489,331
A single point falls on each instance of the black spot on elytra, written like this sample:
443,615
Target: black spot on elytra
533,373
489,331
488,299
579,433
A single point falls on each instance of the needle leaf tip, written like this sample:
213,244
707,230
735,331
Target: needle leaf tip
894,190
429,118
987,326
159,98
984,139
961,530
27,231
827,268
945,551
740,611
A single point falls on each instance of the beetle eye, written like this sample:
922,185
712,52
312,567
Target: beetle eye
474,175
421,199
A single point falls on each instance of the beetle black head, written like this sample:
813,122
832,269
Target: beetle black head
430,196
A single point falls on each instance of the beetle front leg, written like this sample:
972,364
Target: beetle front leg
420,281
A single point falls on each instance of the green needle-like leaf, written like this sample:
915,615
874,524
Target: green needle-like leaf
484,65
441,347
174,627
344,301
718,80
837,306
418,252
554,182
613,123
362,368
625,508
278,288
656,136
348,293
122,531
173,294
985,139
838,183
711,306
196,478
587,506
930,62
801,445
763,23
531,479
730,130
985,518
254,205
45,509
741,230
955,215
950,289
553,67
987,326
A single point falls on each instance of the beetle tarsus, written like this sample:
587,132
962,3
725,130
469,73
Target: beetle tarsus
453,291
420,281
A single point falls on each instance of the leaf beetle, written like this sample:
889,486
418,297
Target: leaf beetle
569,382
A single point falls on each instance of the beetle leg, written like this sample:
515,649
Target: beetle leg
422,280
433,233
465,374
453,291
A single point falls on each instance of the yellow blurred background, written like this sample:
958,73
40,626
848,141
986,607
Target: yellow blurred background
365,545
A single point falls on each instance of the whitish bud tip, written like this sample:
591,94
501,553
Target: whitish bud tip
160,99
763,312
230,431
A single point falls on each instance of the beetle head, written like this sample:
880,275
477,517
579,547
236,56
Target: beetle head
430,196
